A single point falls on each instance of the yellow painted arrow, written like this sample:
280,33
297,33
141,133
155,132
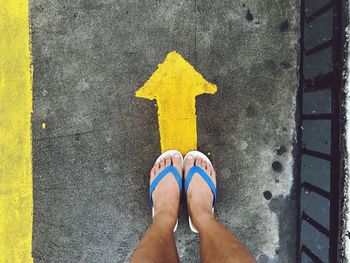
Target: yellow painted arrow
175,85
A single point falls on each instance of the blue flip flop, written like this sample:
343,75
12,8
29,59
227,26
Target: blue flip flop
204,175
167,170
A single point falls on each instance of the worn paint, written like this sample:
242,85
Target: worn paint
175,85
15,136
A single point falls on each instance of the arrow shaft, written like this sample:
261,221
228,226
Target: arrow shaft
177,124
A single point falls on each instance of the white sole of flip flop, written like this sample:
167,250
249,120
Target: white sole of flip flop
201,155
163,155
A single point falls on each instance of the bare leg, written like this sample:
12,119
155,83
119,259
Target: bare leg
158,244
217,244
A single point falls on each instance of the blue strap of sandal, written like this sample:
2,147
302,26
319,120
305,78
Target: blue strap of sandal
170,169
205,176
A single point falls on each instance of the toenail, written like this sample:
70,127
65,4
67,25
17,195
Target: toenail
190,157
177,155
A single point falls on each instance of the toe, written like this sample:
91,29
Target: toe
212,175
162,164
157,167
204,164
189,162
198,162
177,162
153,172
207,168
211,172
167,161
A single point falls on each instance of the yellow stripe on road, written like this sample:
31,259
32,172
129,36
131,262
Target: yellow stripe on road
175,85
16,198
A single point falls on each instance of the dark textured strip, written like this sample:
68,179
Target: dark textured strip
334,81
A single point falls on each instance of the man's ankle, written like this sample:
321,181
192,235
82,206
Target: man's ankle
202,219
165,220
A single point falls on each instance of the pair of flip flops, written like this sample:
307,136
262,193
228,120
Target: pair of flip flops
193,170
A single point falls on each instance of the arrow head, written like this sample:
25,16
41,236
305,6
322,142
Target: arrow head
175,77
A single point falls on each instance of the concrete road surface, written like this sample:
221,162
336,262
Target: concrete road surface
92,157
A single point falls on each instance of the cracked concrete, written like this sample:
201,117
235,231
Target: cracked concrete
91,163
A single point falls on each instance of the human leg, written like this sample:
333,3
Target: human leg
158,243
217,244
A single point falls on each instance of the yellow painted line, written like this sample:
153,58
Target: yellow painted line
16,198
175,85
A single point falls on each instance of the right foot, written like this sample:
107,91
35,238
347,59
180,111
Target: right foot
199,195
166,196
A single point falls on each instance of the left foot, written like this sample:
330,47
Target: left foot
166,196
